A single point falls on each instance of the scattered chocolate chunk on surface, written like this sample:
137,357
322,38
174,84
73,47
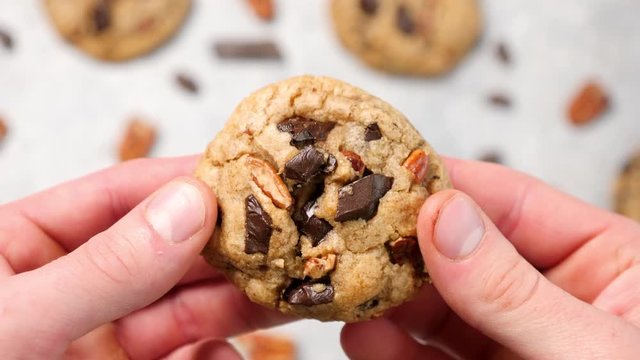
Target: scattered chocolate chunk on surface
302,167
360,199
137,140
264,9
309,294
503,54
404,21
101,15
247,49
369,7
372,132
588,104
500,100
491,157
187,83
6,40
258,224
305,131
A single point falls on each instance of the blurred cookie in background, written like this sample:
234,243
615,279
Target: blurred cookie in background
627,191
413,37
117,30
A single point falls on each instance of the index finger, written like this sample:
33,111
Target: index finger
544,224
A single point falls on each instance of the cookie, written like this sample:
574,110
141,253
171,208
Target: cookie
627,192
415,37
319,185
117,30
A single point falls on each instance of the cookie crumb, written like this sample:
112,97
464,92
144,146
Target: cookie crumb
137,141
264,9
187,83
6,39
261,346
590,102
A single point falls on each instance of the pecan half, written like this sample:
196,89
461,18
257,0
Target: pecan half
269,182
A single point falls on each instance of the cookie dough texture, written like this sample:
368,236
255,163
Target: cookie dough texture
116,30
415,37
627,192
306,152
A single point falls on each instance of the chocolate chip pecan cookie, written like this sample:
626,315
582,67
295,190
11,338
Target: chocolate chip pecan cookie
627,193
319,186
419,37
117,30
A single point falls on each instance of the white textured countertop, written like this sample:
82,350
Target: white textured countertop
66,111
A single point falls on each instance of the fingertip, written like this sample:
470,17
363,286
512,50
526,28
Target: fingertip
429,214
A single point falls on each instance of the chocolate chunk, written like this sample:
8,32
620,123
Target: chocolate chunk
309,294
101,16
404,21
302,167
6,40
500,100
258,224
305,131
316,229
372,132
503,54
332,162
369,7
405,250
187,83
369,305
491,157
256,50
360,199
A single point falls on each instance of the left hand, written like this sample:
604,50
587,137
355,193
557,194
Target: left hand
88,269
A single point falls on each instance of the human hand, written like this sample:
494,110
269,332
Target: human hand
566,285
94,250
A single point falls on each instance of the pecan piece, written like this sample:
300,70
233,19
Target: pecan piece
418,164
137,141
318,267
590,103
356,161
269,182
263,9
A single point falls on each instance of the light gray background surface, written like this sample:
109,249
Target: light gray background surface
66,111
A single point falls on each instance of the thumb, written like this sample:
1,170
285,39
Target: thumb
122,269
488,284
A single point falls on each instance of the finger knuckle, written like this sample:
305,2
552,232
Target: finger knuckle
112,256
509,286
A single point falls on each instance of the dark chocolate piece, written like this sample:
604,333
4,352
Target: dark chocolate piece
404,21
492,157
305,131
369,305
304,166
187,83
101,15
256,50
500,100
369,7
307,295
332,162
258,224
503,54
316,229
360,199
6,40
372,132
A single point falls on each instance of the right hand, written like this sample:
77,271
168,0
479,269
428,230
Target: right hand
566,285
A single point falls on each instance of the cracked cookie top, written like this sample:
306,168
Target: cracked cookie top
319,185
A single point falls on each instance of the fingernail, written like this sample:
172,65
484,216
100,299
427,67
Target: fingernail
177,212
459,229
